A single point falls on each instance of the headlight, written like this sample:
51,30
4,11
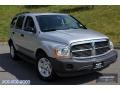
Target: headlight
111,45
62,52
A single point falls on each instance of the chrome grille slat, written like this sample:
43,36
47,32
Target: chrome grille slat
82,50
90,49
101,47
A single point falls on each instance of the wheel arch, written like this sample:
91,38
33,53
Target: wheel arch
40,51
10,42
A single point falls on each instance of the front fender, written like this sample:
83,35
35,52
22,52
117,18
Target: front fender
48,47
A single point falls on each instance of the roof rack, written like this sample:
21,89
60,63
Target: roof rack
22,13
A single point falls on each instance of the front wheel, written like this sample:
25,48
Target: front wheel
45,69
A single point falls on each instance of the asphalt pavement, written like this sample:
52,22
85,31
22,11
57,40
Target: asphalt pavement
21,70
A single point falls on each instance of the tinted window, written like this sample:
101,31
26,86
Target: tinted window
29,23
58,22
20,22
13,22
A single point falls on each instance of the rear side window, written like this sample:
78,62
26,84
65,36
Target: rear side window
13,22
20,22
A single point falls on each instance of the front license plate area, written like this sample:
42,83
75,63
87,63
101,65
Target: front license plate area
97,65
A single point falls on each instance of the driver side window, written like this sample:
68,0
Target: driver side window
29,23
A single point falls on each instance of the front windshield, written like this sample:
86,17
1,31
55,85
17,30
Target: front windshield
57,22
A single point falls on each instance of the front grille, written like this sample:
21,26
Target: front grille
101,44
81,46
82,53
90,49
102,50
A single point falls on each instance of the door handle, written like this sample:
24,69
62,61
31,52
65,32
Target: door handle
22,35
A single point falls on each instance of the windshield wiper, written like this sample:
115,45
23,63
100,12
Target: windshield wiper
48,30
73,28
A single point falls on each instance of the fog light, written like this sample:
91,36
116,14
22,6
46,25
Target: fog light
69,66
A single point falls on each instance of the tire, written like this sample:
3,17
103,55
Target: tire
13,54
44,69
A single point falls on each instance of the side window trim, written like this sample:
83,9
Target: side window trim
17,21
24,23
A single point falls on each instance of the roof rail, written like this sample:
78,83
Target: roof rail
22,13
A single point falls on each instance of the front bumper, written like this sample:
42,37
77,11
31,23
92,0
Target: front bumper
73,67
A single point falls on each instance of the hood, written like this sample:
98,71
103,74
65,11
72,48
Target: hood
73,35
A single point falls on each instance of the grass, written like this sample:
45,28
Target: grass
105,19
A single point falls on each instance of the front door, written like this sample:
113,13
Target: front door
30,37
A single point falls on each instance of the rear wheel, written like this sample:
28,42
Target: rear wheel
13,52
45,69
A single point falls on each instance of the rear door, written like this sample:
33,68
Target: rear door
12,28
18,32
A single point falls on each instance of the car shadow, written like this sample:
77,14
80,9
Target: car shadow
23,70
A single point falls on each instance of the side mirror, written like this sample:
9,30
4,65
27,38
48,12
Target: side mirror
83,26
30,29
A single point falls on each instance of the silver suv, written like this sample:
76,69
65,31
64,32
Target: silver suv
59,44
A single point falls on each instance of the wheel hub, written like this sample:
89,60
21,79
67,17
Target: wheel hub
44,67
